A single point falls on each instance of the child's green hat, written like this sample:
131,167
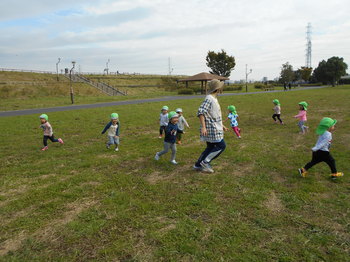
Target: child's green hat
304,104
114,116
232,109
325,124
165,108
44,116
276,102
172,114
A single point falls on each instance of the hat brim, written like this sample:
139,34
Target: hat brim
321,129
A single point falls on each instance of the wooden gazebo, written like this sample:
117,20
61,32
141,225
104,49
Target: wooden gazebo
203,78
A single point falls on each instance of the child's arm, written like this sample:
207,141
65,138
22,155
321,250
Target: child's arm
186,122
118,130
301,114
106,128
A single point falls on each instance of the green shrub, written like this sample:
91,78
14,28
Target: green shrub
259,86
233,88
185,91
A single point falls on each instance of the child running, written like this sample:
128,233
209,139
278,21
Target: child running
233,117
320,152
170,138
302,117
181,126
163,120
48,132
277,111
113,128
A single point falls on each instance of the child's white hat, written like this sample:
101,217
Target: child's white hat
178,110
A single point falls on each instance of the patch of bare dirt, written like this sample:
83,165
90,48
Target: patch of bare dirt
47,231
274,204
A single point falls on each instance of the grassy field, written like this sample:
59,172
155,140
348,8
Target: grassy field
82,202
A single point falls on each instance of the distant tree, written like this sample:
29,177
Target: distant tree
305,73
287,74
220,63
330,71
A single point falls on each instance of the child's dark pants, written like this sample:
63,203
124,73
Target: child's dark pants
161,129
322,156
52,138
277,116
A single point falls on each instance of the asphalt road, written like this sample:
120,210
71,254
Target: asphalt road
130,102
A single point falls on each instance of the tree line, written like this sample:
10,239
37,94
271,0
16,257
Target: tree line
327,72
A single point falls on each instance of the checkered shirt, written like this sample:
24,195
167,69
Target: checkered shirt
210,109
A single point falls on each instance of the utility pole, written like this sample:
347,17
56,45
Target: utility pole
308,46
71,86
246,76
170,69
107,66
59,60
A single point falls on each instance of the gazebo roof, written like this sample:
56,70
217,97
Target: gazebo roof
203,77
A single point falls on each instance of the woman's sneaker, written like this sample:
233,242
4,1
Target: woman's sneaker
60,141
206,167
45,148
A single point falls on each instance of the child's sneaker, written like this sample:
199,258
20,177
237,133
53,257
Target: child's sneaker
45,148
160,136
108,146
302,172
239,137
197,168
178,142
173,162
335,175
206,167
156,157
60,141
116,149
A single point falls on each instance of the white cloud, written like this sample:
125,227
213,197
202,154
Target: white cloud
140,35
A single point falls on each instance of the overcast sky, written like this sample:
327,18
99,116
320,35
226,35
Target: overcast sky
140,35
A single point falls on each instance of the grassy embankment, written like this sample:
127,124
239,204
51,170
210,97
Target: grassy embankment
80,201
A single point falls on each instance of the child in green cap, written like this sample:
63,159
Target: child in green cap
277,111
233,117
320,152
302,117
48,132
113,128
170,137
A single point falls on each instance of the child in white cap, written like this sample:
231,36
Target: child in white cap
320,152
170,138
163,120
48,132
181,125
113,128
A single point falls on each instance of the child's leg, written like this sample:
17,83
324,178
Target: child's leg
161,129
316,158
166,149
116,141
274,117
331,163
279,118
301,126
52,138
178,136
236,130
45,140
110,140
173,151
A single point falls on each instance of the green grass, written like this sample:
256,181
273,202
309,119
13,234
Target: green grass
80,201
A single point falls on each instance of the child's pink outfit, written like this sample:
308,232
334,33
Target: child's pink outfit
302,119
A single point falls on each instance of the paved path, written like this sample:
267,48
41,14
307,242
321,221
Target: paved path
130,102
